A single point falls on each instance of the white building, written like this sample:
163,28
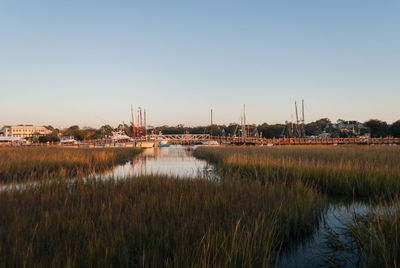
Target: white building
11,140
23,131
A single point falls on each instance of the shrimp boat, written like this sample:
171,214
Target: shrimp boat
119,135
145,144
119,138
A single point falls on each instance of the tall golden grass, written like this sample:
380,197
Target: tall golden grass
18,164
350,170
373,236
155,222
353,171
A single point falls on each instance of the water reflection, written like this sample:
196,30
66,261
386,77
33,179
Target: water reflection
174,161
319,251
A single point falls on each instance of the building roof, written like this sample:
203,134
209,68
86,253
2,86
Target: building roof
11,139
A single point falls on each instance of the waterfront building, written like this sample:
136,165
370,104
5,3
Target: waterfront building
11,140
23,131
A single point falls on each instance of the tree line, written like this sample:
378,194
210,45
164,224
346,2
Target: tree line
375,127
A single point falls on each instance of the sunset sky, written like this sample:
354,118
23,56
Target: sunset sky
85,62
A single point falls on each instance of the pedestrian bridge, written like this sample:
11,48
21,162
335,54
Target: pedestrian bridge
180,138
187,139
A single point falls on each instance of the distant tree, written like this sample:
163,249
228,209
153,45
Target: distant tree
51,128
91,133
395,129
270,131
49,138
54,132
87,133
76,132
79,135
317,127
170,130
106,130
73,128
214,130
230,129
377,128
198,130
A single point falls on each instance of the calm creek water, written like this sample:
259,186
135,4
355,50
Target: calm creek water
319,251
175,161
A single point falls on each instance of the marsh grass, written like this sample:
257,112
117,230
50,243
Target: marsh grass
154,222
21,164
368,238
349,170
373,237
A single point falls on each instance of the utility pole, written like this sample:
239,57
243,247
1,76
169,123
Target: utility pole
211,117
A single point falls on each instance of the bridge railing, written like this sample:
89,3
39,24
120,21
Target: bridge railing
194,138
180,137
305,141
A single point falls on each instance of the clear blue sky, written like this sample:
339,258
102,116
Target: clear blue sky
84,62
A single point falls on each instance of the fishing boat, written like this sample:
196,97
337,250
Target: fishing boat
119,135
145,144
211,143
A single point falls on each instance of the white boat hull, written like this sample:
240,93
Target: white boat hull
145,144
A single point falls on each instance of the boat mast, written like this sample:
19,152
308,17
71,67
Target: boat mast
303,126
138,121
297,120
133,123
145,123
244,121
141,119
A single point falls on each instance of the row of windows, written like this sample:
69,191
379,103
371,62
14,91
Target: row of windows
27,130
21,135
